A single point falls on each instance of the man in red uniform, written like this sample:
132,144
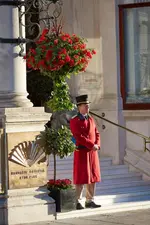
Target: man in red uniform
86,170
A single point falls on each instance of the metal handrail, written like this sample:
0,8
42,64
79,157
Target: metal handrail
145,138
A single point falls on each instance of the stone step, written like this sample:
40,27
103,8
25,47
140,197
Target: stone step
112,199
104,161
60,167
140,183
128,177
113,208
122,197
110,170
65,166
121,190
106,179
60,176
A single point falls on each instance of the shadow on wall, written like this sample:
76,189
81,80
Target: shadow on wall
87,83
39,88
82,17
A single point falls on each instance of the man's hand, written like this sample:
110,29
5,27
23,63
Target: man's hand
95,147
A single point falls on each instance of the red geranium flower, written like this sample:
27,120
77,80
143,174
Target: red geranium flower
59,184
67,58
59,52
48,55
93,52
56,41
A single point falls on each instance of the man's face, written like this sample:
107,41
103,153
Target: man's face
84,108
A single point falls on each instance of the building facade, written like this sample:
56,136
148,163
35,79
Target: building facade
117,79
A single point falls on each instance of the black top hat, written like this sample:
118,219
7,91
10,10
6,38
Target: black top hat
82,99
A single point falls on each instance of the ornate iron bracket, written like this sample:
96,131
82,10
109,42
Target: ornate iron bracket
46,13
17,2
13,40
12,3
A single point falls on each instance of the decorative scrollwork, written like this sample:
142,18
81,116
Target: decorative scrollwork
39,14
34,16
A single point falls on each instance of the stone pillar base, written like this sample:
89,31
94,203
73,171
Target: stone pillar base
26,206
10,100
27,200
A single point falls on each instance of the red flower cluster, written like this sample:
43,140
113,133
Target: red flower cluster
59,184
59,52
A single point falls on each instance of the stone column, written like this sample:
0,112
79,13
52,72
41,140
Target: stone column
12,67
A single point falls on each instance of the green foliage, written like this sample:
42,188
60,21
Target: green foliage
60,98
56,141
58,55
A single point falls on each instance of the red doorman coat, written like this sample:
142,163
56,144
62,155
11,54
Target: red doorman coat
86,168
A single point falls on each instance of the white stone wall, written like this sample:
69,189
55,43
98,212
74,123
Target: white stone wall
96,21
138,121
82,18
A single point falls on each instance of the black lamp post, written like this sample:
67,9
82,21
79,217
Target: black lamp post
46,13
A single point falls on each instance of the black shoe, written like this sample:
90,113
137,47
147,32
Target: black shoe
79,206
91,205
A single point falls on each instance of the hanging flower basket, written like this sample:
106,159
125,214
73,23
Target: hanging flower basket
59,54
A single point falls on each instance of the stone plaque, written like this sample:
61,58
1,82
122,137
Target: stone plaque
27,168
20,177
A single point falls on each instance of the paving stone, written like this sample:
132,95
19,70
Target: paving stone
137,217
